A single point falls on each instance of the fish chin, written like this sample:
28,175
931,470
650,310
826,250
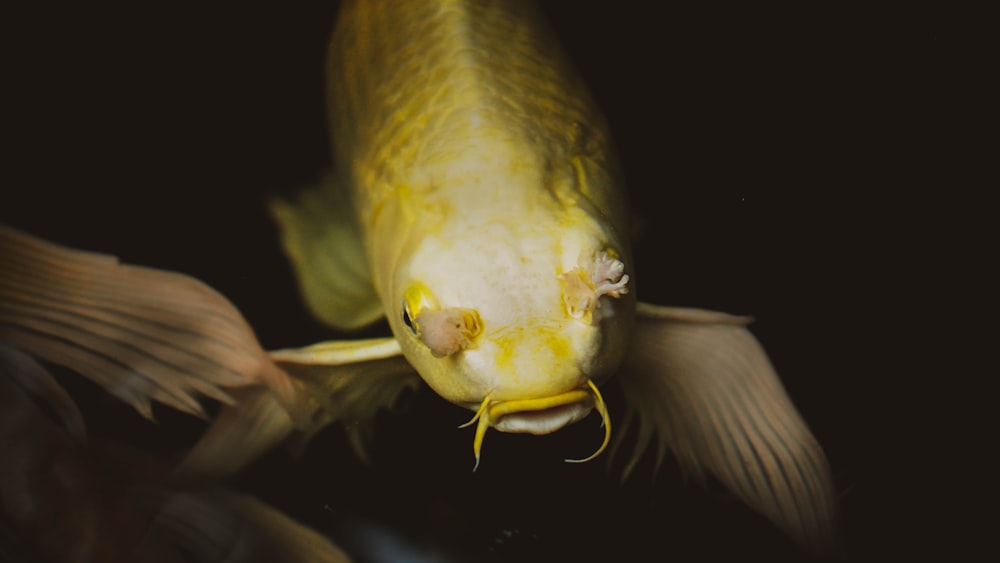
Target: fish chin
543,421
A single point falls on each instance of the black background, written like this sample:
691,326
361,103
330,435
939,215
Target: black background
779,160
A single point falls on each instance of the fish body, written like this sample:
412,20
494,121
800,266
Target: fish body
482,175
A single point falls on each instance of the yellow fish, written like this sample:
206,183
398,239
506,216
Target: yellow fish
478,206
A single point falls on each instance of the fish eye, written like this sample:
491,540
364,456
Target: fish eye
408,319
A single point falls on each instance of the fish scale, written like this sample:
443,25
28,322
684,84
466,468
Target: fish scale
414,87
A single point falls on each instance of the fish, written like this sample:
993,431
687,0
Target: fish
478,206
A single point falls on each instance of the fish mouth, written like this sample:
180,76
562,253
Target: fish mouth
540,416
543,421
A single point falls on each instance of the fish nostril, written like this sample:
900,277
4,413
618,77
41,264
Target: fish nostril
450,330
592,279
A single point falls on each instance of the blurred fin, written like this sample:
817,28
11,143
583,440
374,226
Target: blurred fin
340,381
63,502
239,434
141,334
321,240
55,505
38,382
702,385
213,526
350,383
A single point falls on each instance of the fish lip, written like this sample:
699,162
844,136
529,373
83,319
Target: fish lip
540,415
543,421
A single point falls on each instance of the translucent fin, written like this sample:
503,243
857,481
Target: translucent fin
141,334
321,240
340,381
701,384
60,501
239,434
35,380
213,526
348,391
48,509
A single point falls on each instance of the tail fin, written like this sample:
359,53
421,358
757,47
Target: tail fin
149,335
142,334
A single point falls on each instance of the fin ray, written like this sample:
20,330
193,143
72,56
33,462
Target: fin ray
702,386
353,393
140,333
350,392
240,433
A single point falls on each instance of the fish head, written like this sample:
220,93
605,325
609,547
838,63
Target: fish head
519,321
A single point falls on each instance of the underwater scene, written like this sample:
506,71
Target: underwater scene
162,135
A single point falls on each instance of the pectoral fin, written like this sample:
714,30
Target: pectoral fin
349,382
701,384
142,334
322,242
338,381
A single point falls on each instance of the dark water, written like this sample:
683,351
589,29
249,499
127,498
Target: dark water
762,151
